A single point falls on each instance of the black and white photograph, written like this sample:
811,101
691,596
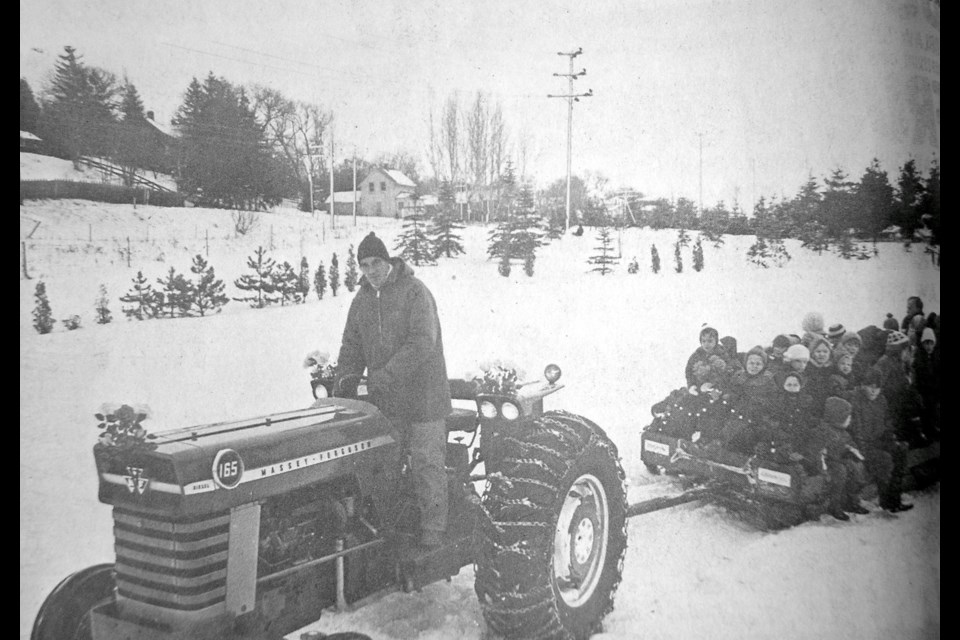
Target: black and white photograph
551,320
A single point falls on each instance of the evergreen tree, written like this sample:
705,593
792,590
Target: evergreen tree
177,294
134,145
605,256
444,239
683,238
42,315
131,106
225,158
758,253
29,108
141,301
769,225
320,281
260,283
930,206
838,207
413,244
352,277
654,259
102,306
287,282
71,323
304,279
874,208
698,255
814,236
528,265
713,224
208,292
908,198
334,275
677,258
79,114
633,266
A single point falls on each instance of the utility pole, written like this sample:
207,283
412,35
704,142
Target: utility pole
308,163
354,187
333,199
571,97
700,135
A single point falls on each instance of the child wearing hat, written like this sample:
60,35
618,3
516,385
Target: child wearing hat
818,371
840,458
926,376
842,379
706,367
787,423
905,403
873,433
775,353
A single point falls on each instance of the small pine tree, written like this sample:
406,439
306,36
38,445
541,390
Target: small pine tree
208,292
352,277
683,238
72,323
177,295
634,266
443,236
334,275
698,255
141,301
287,281
102,306
42,314
413,244
677,258
304,280
654,259
260,283
758,253
605,258
320,281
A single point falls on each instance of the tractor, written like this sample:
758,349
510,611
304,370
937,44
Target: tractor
250,528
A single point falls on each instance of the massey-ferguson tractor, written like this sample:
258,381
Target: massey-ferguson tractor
249,529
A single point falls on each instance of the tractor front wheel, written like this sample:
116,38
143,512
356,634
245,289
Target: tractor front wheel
553,536
64,615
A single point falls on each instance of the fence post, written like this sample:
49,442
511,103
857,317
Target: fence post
271,237
207,240
90,232
128,252
26,274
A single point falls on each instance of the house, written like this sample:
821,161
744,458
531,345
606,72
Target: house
343,202
383,189
162,147
30,143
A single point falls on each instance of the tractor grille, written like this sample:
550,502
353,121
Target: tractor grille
175,564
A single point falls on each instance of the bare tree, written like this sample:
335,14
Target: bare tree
497,144
450,136
477,119
295,129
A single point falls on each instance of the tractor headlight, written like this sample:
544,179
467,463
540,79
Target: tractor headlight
320,390
509,411
488,409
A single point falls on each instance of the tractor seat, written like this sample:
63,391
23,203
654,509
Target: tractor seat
462,420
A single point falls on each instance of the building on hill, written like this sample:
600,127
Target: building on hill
30,143
382,189
343,202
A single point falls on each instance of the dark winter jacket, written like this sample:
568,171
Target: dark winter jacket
870,425
752,394
832,443
789,422
394,334
717,375
816,384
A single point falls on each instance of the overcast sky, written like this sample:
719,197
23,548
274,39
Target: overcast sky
774,89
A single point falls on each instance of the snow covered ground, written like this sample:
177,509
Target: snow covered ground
34,166
622,341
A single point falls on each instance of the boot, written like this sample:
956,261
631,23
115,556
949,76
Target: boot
854,506
900,507
838,513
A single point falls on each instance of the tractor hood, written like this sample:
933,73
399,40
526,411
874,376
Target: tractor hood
202,469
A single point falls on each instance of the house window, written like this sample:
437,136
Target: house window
372,188
383,186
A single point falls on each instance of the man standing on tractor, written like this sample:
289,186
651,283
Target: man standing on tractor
393,332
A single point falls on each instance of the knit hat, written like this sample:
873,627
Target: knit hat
782,378
896,341
756,351
872,378
797,352
928,334
812,322
793,338
782,342
707,327
836,331
850,337
836,411
730,344
891,323
372,247
840,354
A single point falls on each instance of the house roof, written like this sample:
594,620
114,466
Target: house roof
167,130
26,135
400,178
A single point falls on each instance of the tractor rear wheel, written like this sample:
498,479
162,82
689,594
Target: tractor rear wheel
64,614
553,532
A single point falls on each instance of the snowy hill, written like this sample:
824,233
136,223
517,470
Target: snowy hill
34,166
622,341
